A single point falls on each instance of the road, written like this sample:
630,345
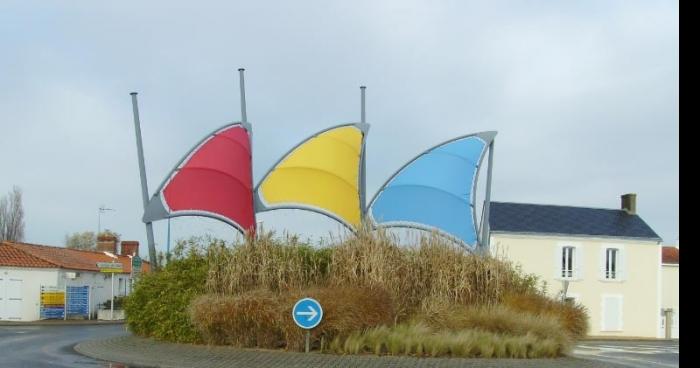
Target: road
52,346
642,354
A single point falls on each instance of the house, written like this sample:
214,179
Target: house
670,271
609,260
35,279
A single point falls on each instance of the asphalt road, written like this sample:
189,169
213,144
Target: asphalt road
52,346
642,354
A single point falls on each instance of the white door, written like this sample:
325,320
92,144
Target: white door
13,304
612,313
675,328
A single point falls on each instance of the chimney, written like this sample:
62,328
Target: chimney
130,248
629,203
107,243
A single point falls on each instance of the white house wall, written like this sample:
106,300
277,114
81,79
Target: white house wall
33,278
671,297
100,285
636,298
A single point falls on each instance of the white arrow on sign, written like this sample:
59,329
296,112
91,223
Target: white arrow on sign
312,313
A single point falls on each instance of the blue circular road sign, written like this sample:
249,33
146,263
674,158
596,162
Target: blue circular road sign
307,313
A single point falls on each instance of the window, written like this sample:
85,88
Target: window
612,263
567,262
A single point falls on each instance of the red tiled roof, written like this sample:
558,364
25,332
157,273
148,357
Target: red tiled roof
11,256
44,256
670,255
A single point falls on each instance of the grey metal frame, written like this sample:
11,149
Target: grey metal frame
156,209
261,206
144,179
488,138
363,164
486,211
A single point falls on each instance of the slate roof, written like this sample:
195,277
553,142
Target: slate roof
44,256
566,220
670,255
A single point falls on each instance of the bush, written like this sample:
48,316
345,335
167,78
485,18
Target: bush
251,319
500,319
435,269
431,299
118,303
268,263
345,309
573,316
419,339
260,318
158,305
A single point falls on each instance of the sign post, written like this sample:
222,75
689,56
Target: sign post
307,314
136,263
109,267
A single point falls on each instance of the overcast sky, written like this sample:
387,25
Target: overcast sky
584,96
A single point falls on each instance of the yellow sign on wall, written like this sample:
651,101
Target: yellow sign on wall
53,298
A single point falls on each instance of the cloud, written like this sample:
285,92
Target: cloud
584,96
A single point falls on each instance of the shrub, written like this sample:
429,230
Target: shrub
268,263
261,318
573,316
418,339
435,269
157,307
247,320
118,303
345,310
430,299
500,319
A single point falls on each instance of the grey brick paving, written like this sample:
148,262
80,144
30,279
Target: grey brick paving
141,352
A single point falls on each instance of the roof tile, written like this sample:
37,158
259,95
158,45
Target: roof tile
550,219
44,256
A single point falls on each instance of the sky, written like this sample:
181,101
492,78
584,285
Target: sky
584,96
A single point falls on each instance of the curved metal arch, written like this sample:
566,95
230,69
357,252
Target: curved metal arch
489,146
321,211
423,227
208,215
487,137
157,208
261,206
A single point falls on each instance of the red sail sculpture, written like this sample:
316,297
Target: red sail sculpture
214,180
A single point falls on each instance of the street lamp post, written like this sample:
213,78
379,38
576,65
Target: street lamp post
111,302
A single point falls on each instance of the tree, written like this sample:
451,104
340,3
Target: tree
84,240
12,216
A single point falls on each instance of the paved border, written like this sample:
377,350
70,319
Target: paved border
142,352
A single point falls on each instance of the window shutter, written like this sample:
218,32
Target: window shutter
557,262
603,262
578,263
612,313
621,264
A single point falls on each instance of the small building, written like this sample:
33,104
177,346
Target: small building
28,271
670,302
609,260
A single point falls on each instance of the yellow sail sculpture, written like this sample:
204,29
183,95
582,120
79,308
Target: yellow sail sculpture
324,173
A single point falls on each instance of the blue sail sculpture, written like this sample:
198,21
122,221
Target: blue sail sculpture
435,191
